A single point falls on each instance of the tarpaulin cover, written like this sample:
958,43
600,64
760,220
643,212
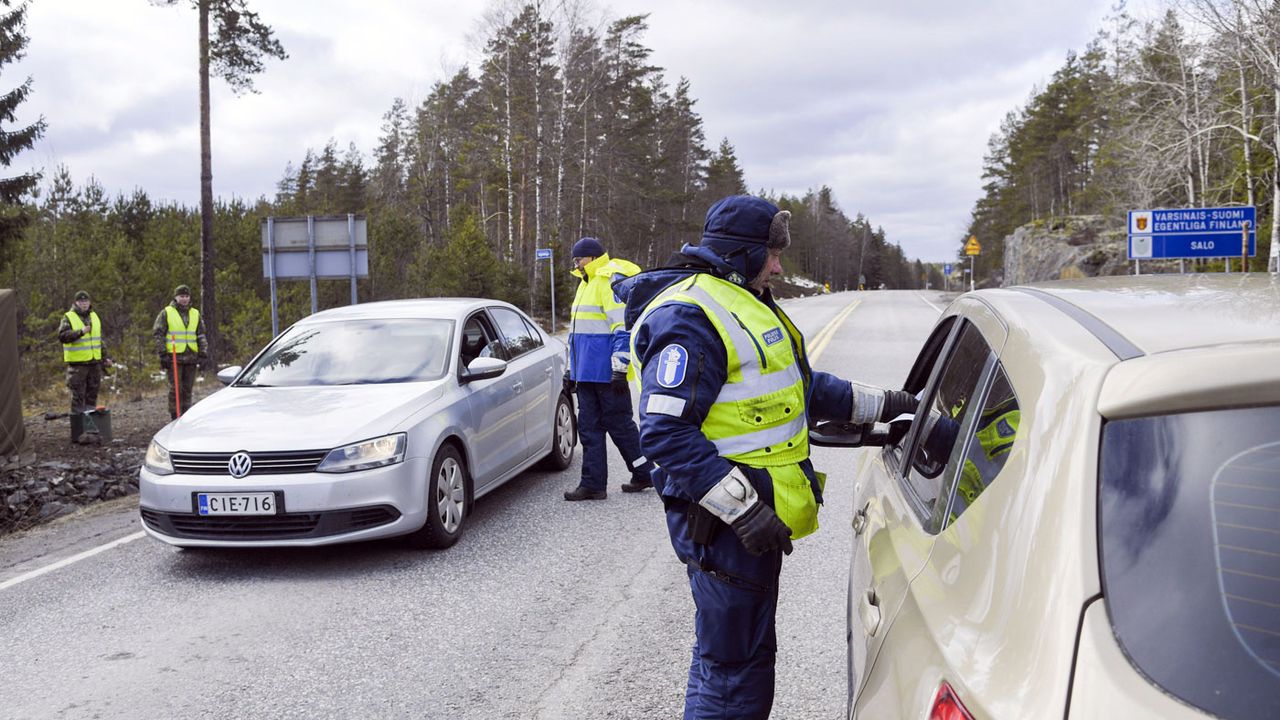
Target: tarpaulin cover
12,433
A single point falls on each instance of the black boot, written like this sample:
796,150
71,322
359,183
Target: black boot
639,482
582,493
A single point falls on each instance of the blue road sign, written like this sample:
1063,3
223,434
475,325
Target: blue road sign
543,253
1192,233
946,268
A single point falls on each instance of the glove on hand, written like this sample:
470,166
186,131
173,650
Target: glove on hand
898,402
761,530
568,383
166,361
618,381
202,362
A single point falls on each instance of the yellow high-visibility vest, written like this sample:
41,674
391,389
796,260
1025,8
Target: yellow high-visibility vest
181,337
87,347
758,419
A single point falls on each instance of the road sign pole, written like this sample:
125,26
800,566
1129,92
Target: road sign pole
551,278
970,273
1244,246
271,274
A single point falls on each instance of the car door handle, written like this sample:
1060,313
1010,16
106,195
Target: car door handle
546,371
860,520
869,612
518,387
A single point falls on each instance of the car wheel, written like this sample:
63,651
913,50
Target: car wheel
446,501
564,438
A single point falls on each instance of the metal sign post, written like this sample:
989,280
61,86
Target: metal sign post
946,277
972,248
550,255
313,248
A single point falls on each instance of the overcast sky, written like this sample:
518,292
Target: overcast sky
888,102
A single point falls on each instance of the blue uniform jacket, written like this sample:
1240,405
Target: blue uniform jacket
671,417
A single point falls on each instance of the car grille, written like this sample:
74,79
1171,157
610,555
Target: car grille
285,526
264,463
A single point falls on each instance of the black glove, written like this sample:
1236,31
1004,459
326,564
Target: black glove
618,381
166,361
897,402
568,383
202,362
761,530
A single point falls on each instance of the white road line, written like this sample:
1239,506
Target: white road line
68,561
926,302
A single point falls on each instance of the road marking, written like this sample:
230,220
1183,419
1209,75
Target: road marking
68,561
824,336
926,302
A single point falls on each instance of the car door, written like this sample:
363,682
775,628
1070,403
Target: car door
496,417
524,348
902,497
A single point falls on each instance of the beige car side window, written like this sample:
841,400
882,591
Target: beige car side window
932,462
992,438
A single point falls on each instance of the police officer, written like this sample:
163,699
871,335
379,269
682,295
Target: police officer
80,332
599,355
180,340
726,399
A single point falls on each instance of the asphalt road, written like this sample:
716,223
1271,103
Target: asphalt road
544,609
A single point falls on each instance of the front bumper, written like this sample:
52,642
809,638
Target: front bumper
314,508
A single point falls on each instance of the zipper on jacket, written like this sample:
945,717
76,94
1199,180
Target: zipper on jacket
764,364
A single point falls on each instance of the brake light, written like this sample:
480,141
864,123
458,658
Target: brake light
947,705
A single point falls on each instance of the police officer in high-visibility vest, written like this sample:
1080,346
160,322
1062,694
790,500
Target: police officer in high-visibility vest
599,355
727,396
80,333
180,345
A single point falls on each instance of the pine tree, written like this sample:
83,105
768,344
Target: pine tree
13,218
235,53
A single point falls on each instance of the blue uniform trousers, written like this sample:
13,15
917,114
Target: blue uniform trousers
731,675
601,411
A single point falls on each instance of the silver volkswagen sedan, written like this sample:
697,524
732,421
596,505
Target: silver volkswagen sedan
362,422
1082,519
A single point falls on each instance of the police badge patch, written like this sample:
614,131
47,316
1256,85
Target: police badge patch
673,362
773,337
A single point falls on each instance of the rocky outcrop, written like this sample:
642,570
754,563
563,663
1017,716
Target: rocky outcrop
33,492
1065,247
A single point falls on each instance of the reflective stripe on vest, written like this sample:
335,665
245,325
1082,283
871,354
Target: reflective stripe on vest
87,347
180,337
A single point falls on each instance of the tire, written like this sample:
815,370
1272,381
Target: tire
447,502
564,438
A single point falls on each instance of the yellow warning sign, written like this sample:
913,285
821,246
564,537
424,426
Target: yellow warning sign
973,247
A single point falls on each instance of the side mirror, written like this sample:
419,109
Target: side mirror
227,375
482,369
847,435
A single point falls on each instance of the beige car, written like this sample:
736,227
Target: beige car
1083,519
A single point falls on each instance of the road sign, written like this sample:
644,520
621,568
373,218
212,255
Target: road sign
543,253
973,247
1192,233
946,268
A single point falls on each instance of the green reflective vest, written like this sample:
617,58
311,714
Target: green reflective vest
181,338
758,419
89,346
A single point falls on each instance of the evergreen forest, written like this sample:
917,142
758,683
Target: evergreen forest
1179,110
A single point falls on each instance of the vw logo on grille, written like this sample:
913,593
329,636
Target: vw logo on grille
240,464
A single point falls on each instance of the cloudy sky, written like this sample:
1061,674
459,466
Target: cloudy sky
890,103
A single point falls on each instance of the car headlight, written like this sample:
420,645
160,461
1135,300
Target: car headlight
157,460
386,450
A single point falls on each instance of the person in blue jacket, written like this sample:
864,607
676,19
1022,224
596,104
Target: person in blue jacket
599,356
727,396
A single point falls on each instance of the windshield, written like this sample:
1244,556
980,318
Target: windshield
351,352
1190,532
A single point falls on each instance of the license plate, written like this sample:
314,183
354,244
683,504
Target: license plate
236,503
